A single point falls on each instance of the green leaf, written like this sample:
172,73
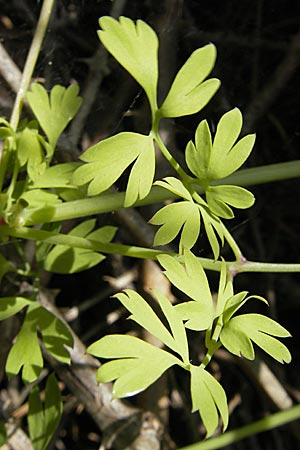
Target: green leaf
26,354
218,160
238,333
3,434
54,112
198,156
209,398
39,198
190,278
188,93
226,157
219,197
44,419
143,314
107,160
58,176
135,47
234,303
213,227
9,306
65,259
143,363
176,186
29,151
176,217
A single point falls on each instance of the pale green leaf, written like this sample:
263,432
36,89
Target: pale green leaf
176,326
29,151
144,363
209,398
198,156
219,197
182,216
143,314
107,160
135,47
9,306
54,112
43,419
225,290
190,278
197,315
260,329
39,198
176,186
142,173
234,303
188,93
58,176
212,227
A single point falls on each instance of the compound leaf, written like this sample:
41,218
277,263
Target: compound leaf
54,112
135,47
58,176
209,398
198,155
182,216
188,93
238,333
143,363
176,186
44,419
107,160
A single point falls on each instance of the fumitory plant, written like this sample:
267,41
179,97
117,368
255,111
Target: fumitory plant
37,194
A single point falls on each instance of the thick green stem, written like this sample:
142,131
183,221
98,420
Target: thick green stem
31,60
267,423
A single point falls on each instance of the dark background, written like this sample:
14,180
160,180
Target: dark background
258,44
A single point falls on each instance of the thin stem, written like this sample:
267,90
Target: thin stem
111,202
139,252
169,157
267,423
233,245
31,60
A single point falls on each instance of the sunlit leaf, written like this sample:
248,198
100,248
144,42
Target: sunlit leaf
190,278
54,112
66,259
107,160
188,93
219,197
178,217
9,306
209,398
176,186
143,364
58,176
5,266
198,155
43,418
143,314
238,333
135,47
213,228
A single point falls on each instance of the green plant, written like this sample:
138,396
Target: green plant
42,193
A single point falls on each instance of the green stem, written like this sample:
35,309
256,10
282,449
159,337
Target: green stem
267,423
138,252
31,60
111,202
233,245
